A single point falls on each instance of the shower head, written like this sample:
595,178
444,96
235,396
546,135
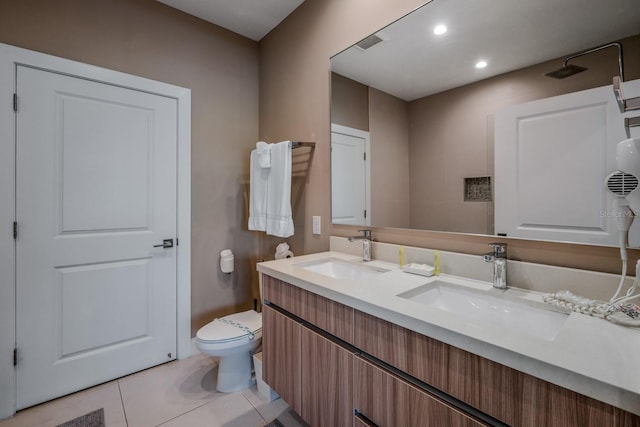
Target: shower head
571,69
566,71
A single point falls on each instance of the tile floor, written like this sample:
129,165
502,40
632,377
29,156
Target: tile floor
180,393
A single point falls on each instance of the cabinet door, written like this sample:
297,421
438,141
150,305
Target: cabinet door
327,382
281,355
387,400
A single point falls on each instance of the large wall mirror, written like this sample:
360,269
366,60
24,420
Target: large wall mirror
422,97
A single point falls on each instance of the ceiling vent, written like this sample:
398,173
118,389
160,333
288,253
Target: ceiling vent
369,42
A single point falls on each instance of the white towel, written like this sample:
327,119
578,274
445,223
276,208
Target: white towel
279,217
270,192
258,194
264,154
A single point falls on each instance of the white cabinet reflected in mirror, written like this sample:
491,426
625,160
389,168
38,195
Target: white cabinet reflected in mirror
431,117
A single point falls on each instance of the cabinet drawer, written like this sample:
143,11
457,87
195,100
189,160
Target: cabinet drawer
511,396
330,316
388,400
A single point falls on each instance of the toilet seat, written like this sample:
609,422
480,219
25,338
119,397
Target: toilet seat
244,326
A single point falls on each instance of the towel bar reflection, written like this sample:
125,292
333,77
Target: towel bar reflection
625,104
630,122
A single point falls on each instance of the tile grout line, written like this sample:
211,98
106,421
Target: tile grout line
205,404
184,413
253,406
124,409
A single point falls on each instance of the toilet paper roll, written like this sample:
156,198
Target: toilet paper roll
281,251
283,255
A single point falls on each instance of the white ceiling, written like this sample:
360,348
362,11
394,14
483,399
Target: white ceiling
412,62
250,18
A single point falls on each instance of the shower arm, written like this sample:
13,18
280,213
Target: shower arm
595,49
624,104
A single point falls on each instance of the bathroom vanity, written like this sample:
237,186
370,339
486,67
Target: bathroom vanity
359,351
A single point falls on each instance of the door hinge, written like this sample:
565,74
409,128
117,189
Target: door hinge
15,102
365,213
15,230
15,357
364,156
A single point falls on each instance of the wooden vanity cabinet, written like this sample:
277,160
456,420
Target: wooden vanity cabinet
504,393
309,358
384,399
328,315
311,372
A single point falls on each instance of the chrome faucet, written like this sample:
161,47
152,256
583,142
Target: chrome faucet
499,259
366,243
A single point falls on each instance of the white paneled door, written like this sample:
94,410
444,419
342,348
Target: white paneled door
349,177
95,196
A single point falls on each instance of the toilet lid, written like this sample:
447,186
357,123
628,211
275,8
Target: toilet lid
232,327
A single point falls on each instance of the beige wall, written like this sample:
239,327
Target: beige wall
149,39
295,91
349,103
389,134
294,103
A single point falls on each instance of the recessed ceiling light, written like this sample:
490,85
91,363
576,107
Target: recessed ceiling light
439,29
481,64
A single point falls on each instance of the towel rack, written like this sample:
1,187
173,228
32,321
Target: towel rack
301,160
297,144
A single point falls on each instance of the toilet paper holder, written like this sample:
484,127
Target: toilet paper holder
226,261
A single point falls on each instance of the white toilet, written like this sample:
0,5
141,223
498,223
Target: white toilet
233,339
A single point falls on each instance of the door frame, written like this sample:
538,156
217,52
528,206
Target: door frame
9,57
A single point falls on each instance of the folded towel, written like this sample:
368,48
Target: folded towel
258,194
279,217
264,154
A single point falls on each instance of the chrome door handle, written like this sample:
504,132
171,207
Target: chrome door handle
166,244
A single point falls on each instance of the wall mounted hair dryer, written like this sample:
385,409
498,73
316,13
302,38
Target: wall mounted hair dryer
623,185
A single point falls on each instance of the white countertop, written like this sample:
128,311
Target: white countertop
589,355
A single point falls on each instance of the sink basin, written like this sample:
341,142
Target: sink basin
497,310
340,269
